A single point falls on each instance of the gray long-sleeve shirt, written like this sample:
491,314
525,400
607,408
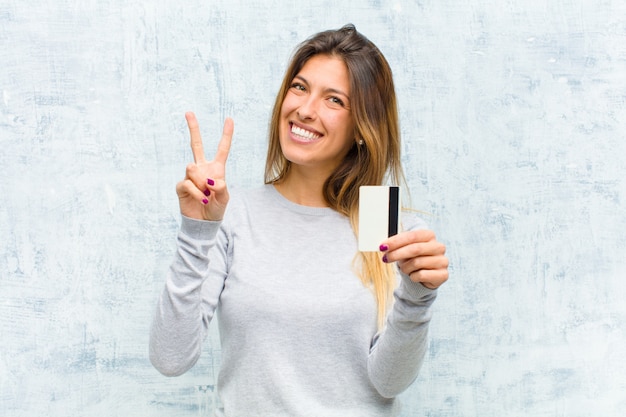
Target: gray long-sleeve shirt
297,326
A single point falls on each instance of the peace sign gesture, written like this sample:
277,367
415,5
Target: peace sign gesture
203,194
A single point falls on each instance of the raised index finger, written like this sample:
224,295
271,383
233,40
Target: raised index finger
196,140
223,148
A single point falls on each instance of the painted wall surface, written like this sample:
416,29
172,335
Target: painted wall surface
514,122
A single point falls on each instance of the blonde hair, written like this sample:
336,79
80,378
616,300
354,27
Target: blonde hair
375,162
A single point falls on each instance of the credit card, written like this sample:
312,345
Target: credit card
379,215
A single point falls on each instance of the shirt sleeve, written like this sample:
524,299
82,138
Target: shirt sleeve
190,297
398,351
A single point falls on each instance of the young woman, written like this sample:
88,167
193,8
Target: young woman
309,326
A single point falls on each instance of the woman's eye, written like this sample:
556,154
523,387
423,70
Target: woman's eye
336,100
298,86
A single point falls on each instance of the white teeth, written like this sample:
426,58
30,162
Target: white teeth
303,133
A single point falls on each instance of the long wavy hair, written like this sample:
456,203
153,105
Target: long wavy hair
374,162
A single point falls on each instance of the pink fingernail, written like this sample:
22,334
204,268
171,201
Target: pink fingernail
385,260
205,201
383,248
207,192
210,181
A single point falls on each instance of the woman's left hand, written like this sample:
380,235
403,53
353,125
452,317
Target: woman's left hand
419,255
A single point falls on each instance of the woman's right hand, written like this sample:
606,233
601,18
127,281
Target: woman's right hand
203,194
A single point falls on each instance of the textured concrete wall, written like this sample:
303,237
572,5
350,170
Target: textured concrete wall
514,123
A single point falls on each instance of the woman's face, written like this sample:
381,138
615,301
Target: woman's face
316,124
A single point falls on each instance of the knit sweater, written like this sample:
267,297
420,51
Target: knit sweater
298,328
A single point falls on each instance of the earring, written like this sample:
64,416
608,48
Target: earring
361,142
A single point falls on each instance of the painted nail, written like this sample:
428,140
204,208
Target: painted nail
383,248
385,260
207,192
210,181
205,201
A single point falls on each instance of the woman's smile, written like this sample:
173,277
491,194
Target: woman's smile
303,134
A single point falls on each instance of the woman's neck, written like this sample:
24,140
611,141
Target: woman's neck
305,190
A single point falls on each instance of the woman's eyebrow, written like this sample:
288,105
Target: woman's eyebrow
328,90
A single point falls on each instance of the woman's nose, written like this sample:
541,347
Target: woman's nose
308,108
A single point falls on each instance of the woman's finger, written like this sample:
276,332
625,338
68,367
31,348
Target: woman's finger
430,278
416,249
187,188
406,238
423,262
196,140
223,148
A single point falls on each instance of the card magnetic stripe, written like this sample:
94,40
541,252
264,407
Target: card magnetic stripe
394,210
